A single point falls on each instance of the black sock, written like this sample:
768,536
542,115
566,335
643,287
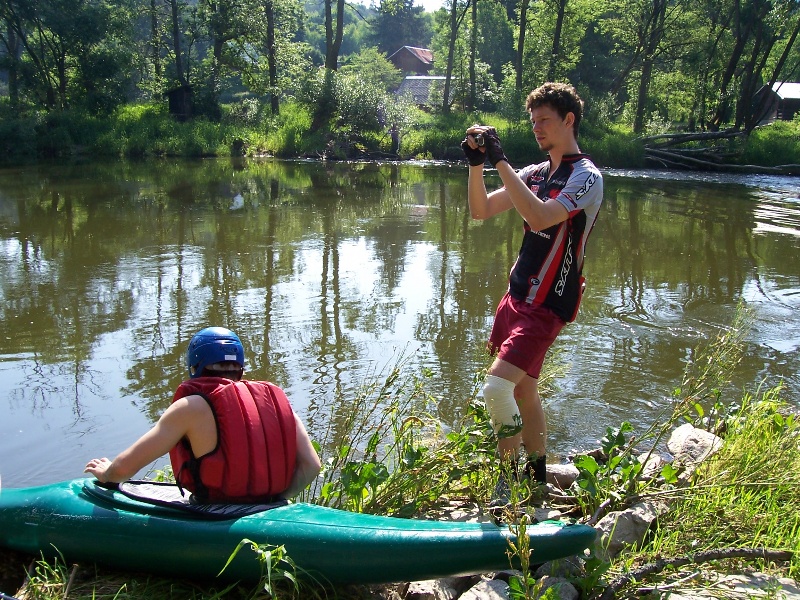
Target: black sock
536,468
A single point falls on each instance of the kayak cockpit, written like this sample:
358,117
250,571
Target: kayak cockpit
167,499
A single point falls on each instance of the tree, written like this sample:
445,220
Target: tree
374,68
495,38
399,23
333,33
73,51
745,17
561,7
455,19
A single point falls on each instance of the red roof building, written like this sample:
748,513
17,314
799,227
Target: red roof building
413,60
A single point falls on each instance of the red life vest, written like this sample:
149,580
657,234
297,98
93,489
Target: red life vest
255,455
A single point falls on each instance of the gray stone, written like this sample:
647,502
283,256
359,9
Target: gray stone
492,589
562,587
652,465
743,587
690,446
620,529
572,566
562,476
543,513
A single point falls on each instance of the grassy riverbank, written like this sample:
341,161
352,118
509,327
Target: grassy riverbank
146,130
394,458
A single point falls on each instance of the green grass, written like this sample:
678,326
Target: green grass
747,495
773,145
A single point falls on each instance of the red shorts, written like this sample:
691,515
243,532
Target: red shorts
522,333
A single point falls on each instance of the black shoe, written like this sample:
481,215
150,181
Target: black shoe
501,497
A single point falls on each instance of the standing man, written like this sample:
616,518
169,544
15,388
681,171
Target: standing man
558,201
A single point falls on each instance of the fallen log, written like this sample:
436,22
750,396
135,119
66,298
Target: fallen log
678,160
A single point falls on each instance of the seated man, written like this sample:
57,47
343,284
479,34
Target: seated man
229,440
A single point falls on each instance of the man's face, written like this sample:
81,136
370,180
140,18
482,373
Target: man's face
550,130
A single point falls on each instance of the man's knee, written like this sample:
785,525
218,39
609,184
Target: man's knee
498,394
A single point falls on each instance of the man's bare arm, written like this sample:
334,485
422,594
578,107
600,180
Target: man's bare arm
538,213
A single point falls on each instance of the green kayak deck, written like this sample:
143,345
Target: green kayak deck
84,521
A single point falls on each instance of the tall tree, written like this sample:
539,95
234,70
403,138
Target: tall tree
399,23
473,49
746,17
333,33
495,37
522,28
272,60
456,15
561,8
651,35
177,50
67,44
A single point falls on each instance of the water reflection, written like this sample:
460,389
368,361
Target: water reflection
329,272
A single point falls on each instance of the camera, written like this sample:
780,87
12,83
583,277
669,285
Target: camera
479,139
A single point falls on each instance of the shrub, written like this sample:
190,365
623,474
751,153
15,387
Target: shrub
773,145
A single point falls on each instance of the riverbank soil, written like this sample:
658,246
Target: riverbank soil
13,569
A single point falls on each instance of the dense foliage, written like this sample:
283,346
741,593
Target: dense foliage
644,66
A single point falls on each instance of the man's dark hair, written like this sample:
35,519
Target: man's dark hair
561,97
227,370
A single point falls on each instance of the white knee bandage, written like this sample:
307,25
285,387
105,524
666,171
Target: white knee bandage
498,394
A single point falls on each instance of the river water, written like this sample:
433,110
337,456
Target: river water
334,273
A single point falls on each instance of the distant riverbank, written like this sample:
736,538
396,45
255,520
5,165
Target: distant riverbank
140,131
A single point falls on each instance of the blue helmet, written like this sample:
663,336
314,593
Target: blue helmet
212,345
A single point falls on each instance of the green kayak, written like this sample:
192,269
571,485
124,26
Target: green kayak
85,521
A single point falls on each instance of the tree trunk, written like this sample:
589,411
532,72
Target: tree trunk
757,113
451,50
751,77
13,68
333,40
523,23
654,36
472,52
551,70
154,39
744,27
271,58
176,43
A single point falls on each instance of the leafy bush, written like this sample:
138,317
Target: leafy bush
616,147
773,145
17,136
288,131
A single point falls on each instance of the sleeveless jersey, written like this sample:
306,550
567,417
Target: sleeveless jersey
549,268
255,455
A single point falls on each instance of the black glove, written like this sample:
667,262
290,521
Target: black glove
493,148
475,157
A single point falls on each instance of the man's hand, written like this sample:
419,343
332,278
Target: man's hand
98,468
475,156
493,148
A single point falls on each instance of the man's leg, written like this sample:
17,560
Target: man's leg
508,447
534,423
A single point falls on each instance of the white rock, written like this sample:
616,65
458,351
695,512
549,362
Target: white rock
562,476
491,589
690,446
